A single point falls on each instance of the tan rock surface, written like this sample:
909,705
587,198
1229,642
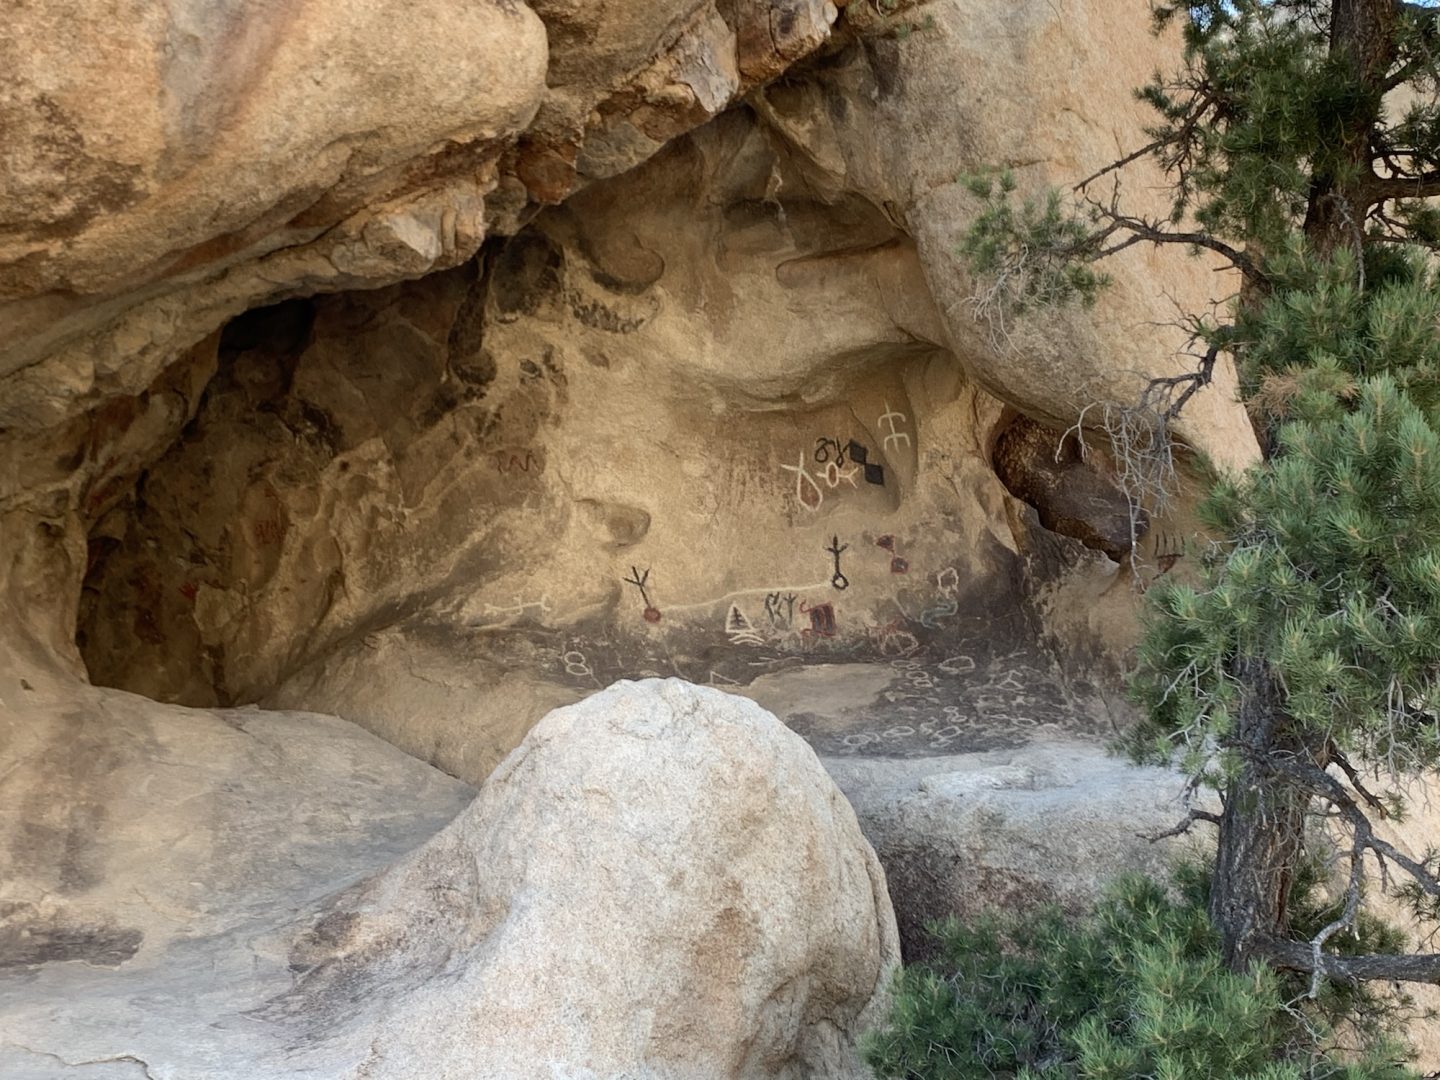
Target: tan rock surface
939,89
166,168
397,505
1009,830
660,375
661,882
150,852
665,861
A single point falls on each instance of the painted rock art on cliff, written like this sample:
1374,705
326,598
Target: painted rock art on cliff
621,342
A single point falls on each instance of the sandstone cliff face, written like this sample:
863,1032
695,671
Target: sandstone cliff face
169,168
704,418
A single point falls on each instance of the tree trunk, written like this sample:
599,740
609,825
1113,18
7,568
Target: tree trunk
1362,37
1262,828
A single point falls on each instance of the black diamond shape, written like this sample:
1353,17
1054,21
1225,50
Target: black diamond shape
874,474
857,453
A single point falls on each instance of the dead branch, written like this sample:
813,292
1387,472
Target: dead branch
1182,828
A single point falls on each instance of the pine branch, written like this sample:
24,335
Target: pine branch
1390,967
1420,186
1193,381
1309,956
1322,784
1115,166
1143,231
1371,800
1198,106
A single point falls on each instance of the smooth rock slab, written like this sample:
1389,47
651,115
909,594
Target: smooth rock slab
659,882
149,854
1049,822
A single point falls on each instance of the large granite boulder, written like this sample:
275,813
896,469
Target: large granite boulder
659,882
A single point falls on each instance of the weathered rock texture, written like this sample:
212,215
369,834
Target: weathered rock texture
433,364
700,421
167,168
1010,830
149,853
661,882
676,371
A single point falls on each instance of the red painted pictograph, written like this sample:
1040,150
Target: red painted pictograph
898,564
822,620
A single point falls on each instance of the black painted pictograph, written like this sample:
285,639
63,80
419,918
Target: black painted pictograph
639,580
874,471
828,450
1168,552
838,580
780,610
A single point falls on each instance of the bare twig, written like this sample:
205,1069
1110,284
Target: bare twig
1373,801
1182,828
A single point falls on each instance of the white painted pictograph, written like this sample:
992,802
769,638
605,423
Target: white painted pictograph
802,478
576,664
739,629
892,419
520,607
957,665
808,492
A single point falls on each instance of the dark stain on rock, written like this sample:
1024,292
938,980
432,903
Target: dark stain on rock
525,270
317,427
616,525
477,372
883,57
598,316
620,264
468,359
29,938
109,186
446,399
331,935
59,841
283,328
1044,468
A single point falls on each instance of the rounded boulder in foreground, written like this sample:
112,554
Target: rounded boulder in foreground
660,881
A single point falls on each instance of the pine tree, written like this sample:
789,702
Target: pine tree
1302,671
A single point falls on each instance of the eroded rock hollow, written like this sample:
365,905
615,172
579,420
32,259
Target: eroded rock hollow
694,422
375,381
